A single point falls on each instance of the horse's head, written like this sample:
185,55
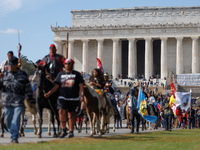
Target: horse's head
88,90
40,74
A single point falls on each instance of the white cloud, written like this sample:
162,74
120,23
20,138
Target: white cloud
8,6
10,31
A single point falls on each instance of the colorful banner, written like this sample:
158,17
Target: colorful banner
99,64
184,99
173,89
142,108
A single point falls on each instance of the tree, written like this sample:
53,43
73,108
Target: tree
27,65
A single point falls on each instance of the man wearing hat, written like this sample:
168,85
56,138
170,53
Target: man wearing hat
53,62
69,83
15,86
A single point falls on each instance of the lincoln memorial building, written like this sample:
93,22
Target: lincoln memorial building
133,41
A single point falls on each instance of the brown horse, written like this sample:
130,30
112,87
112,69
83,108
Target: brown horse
92,108
95,110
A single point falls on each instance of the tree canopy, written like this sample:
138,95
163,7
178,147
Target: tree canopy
27,65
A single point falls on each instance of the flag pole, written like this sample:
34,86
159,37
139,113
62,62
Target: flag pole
19,47
67,45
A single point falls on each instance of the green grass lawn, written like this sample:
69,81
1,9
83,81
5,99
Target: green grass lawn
164,140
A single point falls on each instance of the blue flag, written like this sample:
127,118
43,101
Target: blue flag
142,108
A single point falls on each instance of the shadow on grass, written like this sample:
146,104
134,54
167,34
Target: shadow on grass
172,133
130,137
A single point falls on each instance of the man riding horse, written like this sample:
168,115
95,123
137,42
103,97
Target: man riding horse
46,71
53,63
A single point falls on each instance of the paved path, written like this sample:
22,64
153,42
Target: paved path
30,137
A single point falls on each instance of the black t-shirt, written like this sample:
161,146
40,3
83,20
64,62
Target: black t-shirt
69,84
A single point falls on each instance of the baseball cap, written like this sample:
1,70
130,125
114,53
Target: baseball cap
52,45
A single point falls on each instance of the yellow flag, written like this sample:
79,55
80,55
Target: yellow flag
172,100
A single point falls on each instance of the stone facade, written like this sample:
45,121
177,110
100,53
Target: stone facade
136,16
99,33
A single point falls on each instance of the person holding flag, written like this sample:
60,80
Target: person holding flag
174,102
142,108
134,109
167,114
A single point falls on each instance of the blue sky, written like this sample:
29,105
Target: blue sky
34,19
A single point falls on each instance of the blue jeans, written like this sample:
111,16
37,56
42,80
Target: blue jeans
163,122
12,118
119,121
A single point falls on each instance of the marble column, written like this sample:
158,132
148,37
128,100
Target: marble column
85,64
59,47
115,65
120,57
195,55
71,49
164,66
148,58
151,58
100,50
179,56
132,58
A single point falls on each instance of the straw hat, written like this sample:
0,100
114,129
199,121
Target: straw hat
28,106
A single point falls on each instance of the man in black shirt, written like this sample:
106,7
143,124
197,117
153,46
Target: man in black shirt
191,119
53,62
69,83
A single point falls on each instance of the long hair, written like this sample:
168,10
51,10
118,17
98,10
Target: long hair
99,77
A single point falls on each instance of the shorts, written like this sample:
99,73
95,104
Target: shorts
99,91
70,106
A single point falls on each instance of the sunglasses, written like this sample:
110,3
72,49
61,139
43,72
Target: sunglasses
67,63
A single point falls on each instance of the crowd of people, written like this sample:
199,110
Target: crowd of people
15,87
159,105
